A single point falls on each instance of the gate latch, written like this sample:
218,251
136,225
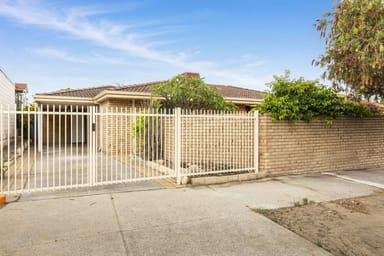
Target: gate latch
93,127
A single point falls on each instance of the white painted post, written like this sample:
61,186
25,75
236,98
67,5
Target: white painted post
92,146
89,145
256,141
40,129
177,146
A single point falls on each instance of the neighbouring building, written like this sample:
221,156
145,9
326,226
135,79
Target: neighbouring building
21,91
7,101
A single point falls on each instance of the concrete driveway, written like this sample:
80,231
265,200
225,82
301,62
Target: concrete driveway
208,220
59,167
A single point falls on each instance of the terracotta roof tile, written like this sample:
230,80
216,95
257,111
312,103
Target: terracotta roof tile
21,86
144,87
80,93
238,92
191,74
225,90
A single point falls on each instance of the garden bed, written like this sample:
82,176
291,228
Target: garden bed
352,226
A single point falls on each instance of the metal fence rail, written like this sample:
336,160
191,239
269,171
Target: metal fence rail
54,147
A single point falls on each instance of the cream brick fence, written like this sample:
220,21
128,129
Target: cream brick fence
346,144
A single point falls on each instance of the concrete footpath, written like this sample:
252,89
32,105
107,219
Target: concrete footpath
207,220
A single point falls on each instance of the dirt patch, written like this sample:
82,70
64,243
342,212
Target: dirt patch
352,226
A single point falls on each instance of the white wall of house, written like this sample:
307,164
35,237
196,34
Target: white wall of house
7,98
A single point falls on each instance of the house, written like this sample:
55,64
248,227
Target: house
7,100
138,95
21,90
114,97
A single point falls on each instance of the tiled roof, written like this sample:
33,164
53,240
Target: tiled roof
144,87
225,90
21,86
80,93
238,92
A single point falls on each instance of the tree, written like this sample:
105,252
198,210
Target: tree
190,93
354,56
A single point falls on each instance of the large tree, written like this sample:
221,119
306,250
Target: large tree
190,93
354,56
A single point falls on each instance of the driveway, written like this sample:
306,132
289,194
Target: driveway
207,220
68,167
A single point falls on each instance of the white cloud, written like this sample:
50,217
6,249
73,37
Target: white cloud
63,55
75,23
100,59
81,24
57,54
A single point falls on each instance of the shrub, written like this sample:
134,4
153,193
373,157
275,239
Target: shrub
147,136
299,99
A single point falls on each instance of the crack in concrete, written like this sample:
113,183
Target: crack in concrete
127,252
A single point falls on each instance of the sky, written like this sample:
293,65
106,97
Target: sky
54,44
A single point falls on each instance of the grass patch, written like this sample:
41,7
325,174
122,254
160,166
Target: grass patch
343,252
261,211
304,201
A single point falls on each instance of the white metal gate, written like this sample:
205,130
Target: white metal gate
60,147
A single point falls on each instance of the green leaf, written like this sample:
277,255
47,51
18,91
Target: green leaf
354,36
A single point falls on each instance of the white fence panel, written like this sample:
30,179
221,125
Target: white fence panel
58,147
216,142
130,145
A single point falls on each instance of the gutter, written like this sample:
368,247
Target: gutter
104,95
244,100
62,99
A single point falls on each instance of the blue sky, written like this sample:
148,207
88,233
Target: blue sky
74,44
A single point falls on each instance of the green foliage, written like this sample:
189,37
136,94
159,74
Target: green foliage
304,201
343,252
24,117
261,211
296,204
3,169
354,37
190,93
147,137
299,99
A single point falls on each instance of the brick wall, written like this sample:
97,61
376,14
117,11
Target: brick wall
313,147
116,131
214,143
